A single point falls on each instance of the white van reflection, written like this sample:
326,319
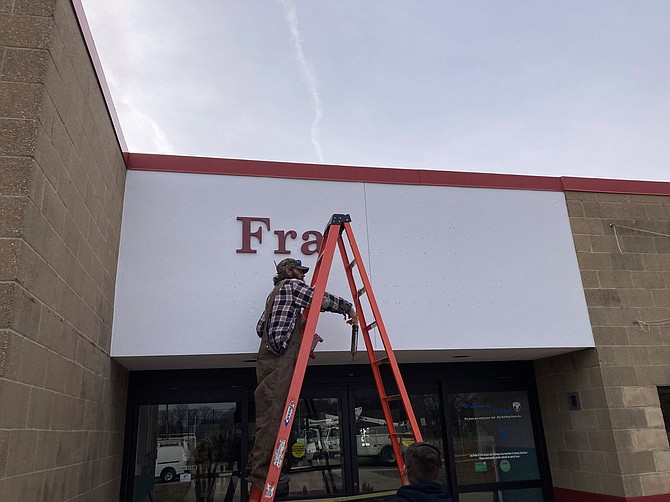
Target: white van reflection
171,460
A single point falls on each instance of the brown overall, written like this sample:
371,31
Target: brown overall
274,374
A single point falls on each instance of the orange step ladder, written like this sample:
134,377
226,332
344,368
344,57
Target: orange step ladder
338,233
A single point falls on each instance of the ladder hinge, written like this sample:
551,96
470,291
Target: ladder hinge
337,219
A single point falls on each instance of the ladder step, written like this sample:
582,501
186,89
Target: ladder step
394,397
370,326
352,264
361,292
381,360
403,434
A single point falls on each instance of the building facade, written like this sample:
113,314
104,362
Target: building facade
528,313
617,443
62,176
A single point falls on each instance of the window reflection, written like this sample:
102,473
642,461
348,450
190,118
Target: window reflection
188,452
191,452
313,465
313,462
377,467
493,437
429,416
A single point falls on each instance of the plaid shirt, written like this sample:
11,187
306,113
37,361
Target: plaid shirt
293,296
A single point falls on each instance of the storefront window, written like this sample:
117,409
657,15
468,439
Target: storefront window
493,437
188,452
339,444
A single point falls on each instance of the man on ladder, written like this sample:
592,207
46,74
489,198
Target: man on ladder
280,329
282,314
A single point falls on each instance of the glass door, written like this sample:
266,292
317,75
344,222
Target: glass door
374,457
376,468
314,464
494,450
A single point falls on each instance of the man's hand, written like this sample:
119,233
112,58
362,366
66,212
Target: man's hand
353,316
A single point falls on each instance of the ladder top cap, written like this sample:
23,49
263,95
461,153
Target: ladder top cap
338,219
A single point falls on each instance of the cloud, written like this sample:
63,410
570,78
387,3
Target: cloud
308,73
455,85
122,63
153,138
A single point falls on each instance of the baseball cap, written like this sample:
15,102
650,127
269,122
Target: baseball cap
288,263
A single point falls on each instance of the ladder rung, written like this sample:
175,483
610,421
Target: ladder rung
361,292
403,434
370,326
382,360
352,264
394,397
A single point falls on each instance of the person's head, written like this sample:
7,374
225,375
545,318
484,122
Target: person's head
290,268
422,462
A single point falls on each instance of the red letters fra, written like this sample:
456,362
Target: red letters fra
253,227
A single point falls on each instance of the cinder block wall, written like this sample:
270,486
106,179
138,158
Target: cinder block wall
616,444
62,399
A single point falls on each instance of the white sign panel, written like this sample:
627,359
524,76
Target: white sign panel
476,268
452,268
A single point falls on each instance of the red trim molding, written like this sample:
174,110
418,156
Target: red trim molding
565,495
290,170
271,169
616,186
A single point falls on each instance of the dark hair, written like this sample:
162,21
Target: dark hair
284,274
423,462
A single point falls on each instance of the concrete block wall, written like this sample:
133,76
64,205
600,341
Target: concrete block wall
62,176
616,444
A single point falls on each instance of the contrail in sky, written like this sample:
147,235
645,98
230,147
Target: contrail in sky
308,73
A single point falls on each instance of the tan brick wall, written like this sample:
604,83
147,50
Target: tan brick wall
617,444
62,399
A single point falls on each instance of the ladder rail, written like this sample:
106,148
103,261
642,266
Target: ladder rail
357,301
382,333
379,382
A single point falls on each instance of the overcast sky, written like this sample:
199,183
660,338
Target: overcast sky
574,88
